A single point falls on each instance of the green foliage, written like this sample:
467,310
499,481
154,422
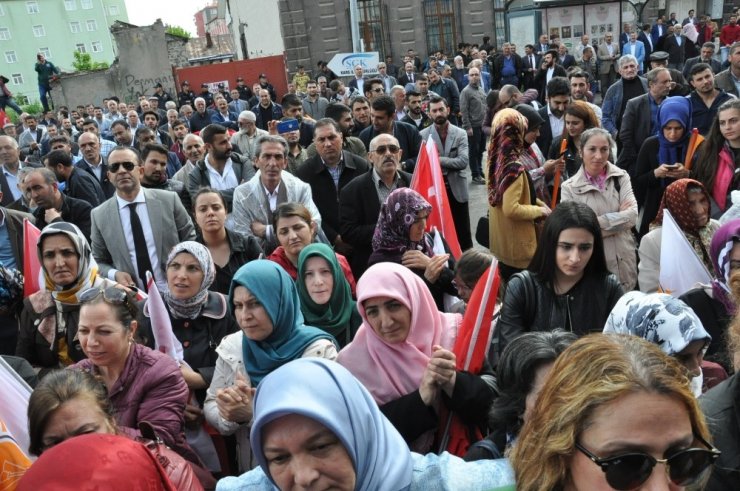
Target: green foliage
83,63
36,108
177,31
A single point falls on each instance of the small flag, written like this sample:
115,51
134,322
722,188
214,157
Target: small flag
680,267
31,264
164,339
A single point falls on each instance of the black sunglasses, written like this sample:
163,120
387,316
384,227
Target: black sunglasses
128,166
630,470
111,295
381,149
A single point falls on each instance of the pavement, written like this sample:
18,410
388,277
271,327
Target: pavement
478,201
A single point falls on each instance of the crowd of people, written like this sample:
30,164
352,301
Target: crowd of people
316,319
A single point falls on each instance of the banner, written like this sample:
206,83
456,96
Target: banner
343,64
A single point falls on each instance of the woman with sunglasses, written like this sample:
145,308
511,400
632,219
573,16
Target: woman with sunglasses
48,323
143,384
265,302
400,238
612,408
668,322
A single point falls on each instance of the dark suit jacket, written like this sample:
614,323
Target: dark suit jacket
359,208
14,224
657,35
73,211
5,187
107,186
567,62
624,38
218,118
648,50
353,83
404,79
675,52
325,193
546,137
408,139
83,185
716,66
528,79
540,80
635,129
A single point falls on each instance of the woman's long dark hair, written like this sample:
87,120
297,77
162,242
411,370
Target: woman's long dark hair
568,214
705,169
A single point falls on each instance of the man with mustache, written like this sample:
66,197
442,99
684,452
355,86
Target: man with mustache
154,162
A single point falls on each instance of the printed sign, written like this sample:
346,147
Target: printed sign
343,64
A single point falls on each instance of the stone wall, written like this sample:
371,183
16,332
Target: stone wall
82,88
177,51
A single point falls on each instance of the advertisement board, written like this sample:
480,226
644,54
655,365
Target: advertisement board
343,64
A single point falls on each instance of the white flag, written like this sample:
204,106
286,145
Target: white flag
680,267
14,406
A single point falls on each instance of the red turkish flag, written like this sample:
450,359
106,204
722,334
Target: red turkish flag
31,264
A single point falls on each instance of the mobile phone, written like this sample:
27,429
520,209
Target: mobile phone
287,126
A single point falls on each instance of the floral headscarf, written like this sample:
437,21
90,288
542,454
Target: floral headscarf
505,151
397,214
189,308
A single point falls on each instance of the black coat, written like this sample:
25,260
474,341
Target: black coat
721,406
73,211
243,249
648,188
108,189
325,193
532,305
544,141
540,80
83,185
359,208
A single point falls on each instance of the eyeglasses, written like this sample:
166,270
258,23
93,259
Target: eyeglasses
128,166
630,470
381,149
111,295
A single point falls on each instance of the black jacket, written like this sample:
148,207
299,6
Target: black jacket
648,188
359,208
73,211
83,185
244,248
325,193
544,141
108,189
532,305
199,121
198,177
721,406
408,139
540,80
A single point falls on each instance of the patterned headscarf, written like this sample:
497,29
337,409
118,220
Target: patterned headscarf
505,152
676,109
189,308
662,319
723,241
676,199
397,214
87,268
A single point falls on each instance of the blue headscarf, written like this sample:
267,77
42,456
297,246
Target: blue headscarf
674,109
326,392
290,337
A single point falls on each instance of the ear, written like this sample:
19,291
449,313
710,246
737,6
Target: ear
132,328
314,228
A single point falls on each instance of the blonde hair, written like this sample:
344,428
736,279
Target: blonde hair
596,370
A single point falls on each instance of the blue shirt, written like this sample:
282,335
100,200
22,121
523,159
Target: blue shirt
7,258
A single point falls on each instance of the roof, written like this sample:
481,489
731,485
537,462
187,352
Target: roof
222,48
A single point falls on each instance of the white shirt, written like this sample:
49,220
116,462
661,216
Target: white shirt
556,124
272,197
222,182
125,214
96,168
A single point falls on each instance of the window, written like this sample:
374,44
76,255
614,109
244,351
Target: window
372,26
10,57
499,16
97,47
440,25
17,78
92,25
74,26
80,47
113,10
4,33
70,4
86,4
2,11
32,7
39,31
45,52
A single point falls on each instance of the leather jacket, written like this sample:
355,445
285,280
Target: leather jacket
531,305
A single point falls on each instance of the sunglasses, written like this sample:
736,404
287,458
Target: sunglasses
381,149
378,90
111,295
630,470
128,166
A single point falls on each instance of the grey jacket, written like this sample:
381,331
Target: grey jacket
453,157
473,107
724,81
315,109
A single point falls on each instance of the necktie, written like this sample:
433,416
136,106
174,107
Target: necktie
531,61
143,264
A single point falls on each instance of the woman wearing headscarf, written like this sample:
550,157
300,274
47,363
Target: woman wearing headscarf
363,450
661,158
265,302
326,299
540,170
514,206
400,238
688,203
97,461
668,322
402,355
48,322
715,304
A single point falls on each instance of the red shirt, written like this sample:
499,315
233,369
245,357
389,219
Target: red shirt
730,34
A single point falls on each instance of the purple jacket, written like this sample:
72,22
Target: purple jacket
150,388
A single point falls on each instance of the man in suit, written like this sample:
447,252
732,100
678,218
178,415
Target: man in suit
725,80
675,46
706,55
224,116
624,37
553,113
657,32
358,83
10,164
360,200
30,139
638,122
80,184
383,121
388,80
53,205
94,163
543,46
635,48
530,65
328,172
237,104
608,54
135,230
408,76
691,19
548,70
565,60
647,41
452,146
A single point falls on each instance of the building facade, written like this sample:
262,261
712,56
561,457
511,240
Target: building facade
56,28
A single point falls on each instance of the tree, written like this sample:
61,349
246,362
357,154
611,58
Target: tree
178,31
83,63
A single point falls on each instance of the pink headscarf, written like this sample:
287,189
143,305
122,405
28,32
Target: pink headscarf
390,371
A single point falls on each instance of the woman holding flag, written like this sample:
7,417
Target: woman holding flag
402,353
